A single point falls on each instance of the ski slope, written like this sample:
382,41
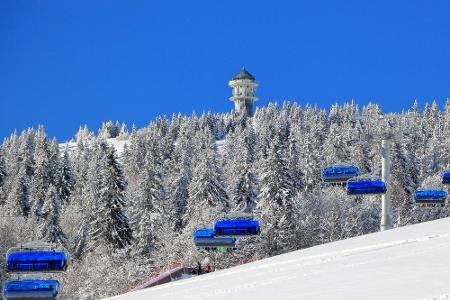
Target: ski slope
411,262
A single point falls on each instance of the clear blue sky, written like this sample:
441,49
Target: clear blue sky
66,63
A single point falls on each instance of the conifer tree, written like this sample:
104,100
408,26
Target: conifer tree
18,202
149,212
42,177
207,196
3,175
3,172
243,182
180,177
66,180
275,203
110,225
49,228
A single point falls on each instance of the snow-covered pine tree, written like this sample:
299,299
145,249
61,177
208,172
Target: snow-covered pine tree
276,203
87,195
334,148
207,196
243,181
123,132
360,156
66,180
148,209
49,229
109,130
17,202
179,178
294,157
402,187
445,159
310,161
110,226
27,146
3,172
3,175
42,177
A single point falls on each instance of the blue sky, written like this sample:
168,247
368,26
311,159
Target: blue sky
66,63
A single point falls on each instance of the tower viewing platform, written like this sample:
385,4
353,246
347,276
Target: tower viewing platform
244,89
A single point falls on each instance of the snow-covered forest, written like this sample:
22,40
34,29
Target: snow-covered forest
122,216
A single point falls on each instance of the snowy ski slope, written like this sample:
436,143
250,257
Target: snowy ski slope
411,262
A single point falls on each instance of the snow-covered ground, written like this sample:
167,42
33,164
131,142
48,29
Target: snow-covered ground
118,144
411,262
220,145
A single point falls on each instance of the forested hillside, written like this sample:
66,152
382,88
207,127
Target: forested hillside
122,217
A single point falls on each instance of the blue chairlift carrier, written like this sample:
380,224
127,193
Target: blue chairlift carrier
31,290
236,227
339,173
204,233
446,178
430,197
36,261
366,187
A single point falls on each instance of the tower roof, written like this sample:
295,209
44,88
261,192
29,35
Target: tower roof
244,74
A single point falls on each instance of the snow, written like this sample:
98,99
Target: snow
118,144
220,145
411,262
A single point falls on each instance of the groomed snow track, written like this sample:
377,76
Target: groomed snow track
411,262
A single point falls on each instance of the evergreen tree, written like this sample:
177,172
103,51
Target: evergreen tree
179,178
149,208
207,196
3,172
66,181
294,158
18,202
110,225
49,229
275,203
3,175
42,177
243,182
